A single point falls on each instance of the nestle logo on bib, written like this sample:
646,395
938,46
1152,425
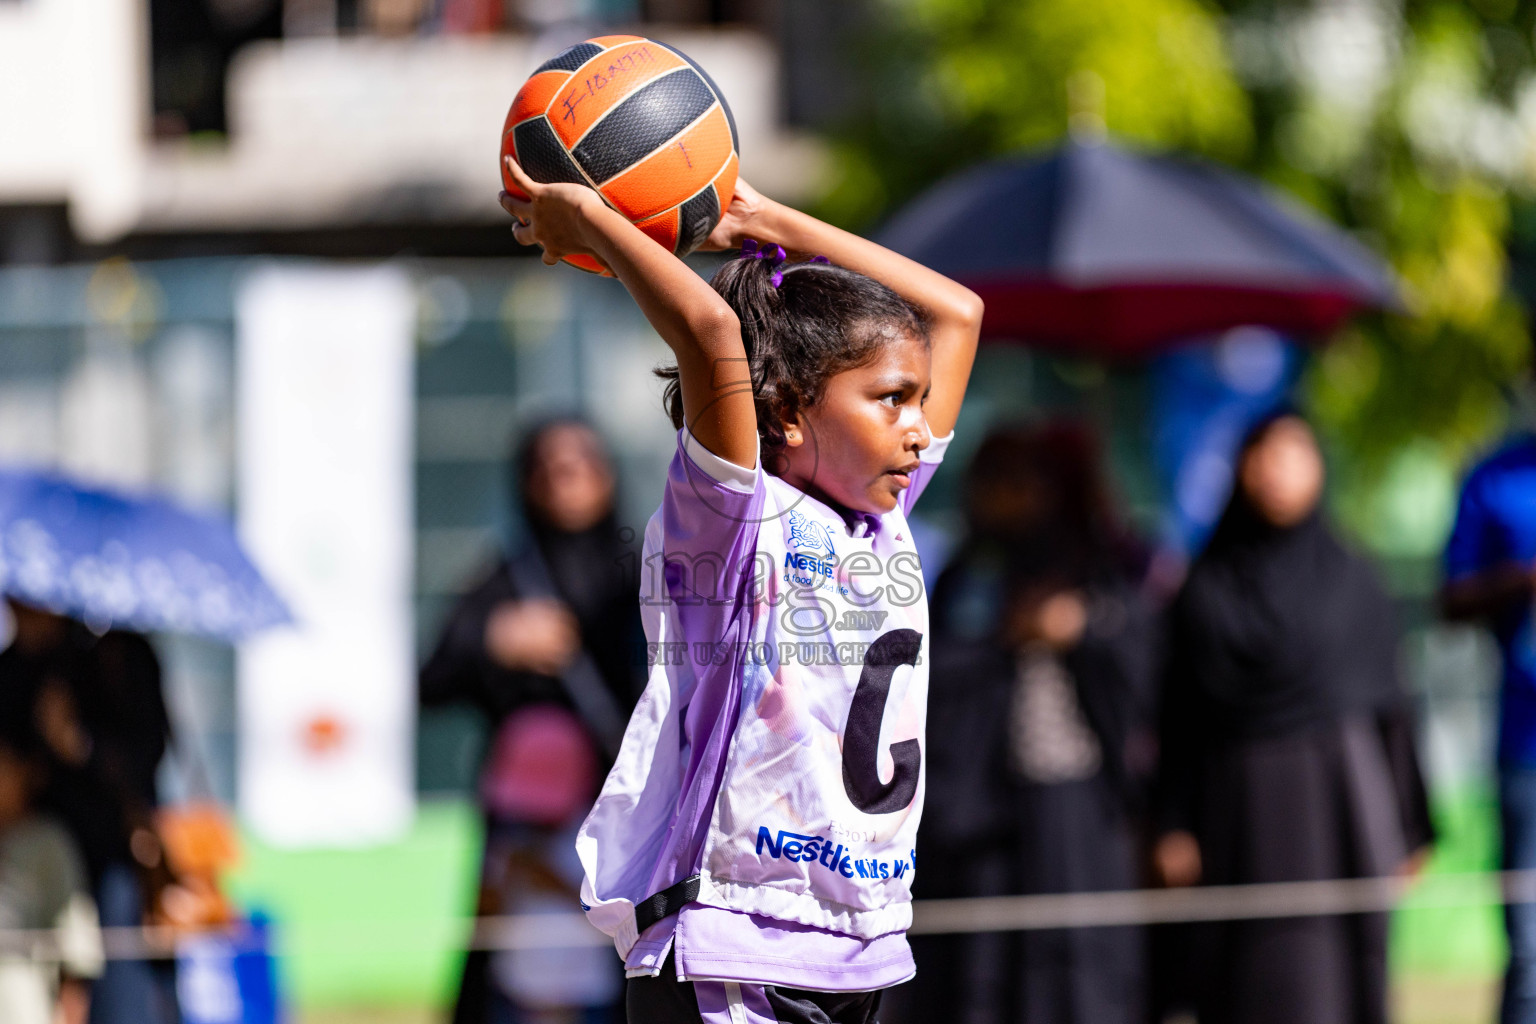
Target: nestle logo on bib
805,563
793,846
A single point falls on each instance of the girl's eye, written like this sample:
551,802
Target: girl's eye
894,398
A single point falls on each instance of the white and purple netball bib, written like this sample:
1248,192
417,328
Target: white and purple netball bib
778,749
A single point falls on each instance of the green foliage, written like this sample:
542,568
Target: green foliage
1401,123
948,82
1419,159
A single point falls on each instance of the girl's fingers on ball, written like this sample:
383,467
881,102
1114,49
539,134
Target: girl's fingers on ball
519,208
520,178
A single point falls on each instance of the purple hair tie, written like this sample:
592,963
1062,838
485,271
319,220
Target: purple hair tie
775,255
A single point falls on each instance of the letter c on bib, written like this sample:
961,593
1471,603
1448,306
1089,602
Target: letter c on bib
861,736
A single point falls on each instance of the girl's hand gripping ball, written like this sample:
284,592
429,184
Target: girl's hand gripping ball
639,123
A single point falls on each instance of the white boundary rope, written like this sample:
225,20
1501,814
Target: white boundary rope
930,917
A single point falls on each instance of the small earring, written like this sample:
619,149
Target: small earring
792,435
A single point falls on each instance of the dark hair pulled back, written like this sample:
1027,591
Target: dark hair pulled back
820,320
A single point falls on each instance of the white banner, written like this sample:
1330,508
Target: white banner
325,504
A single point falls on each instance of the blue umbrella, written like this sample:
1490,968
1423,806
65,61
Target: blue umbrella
139,563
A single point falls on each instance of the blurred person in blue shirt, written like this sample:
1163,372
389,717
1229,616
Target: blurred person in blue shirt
1490,573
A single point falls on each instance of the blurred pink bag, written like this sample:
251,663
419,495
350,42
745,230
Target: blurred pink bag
542,767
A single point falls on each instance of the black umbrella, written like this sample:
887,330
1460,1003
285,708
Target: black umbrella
1098,250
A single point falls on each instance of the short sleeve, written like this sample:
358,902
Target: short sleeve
727,473
929,458
1471,547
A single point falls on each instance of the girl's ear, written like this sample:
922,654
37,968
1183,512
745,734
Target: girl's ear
794,436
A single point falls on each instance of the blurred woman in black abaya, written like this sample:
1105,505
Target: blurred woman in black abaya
1287,745
547,647
1039,729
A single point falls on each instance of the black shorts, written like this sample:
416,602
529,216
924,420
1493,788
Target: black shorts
665,1000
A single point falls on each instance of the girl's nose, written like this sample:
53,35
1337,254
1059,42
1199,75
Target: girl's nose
919,436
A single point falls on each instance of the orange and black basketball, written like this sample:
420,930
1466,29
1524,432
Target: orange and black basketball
639,122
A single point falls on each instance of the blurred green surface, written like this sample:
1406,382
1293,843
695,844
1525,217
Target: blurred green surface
1454,943
373,927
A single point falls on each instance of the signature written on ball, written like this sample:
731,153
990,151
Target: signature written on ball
601,79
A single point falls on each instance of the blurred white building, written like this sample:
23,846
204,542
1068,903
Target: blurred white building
325,130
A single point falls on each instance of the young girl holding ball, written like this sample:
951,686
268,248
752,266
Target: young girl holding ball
751,850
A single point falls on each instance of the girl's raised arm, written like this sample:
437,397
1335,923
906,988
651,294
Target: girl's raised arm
698,325
954,311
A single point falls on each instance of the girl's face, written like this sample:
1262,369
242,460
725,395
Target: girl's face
857,447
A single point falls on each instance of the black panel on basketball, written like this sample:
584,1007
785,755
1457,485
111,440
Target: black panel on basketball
541,155
730,117
697,218
645,120
570,58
